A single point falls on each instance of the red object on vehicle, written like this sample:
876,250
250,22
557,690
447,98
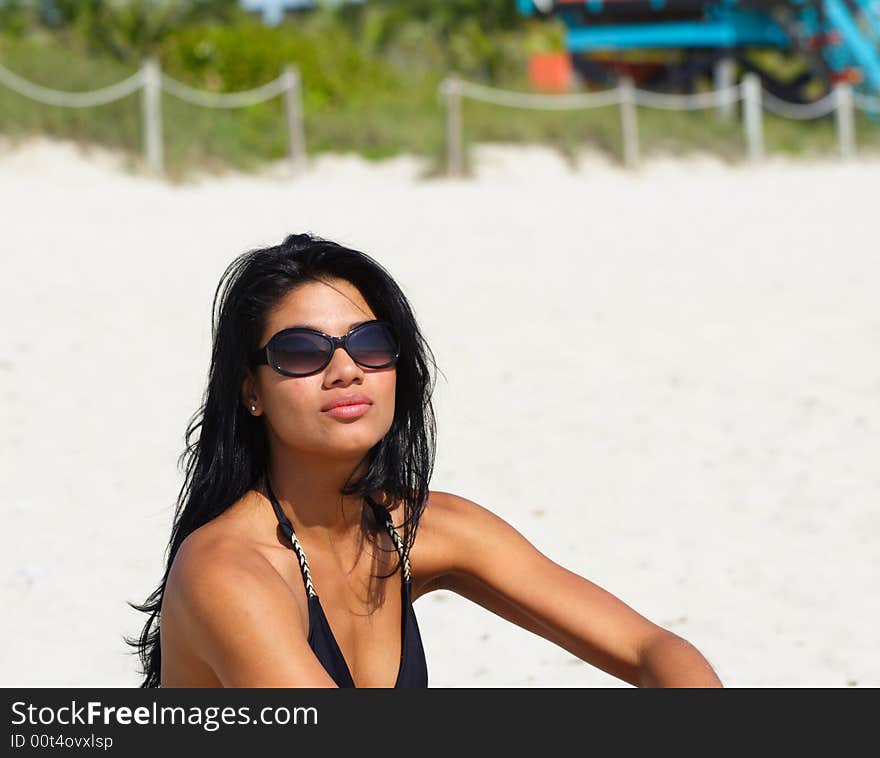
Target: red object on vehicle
818,41
551,72
847,76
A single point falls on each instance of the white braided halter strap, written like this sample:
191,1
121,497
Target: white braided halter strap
287,529
382,513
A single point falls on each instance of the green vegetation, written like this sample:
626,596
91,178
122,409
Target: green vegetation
370,82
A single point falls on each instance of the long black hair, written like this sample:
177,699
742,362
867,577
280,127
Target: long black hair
230,453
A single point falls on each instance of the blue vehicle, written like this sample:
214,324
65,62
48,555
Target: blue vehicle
273,10
839,40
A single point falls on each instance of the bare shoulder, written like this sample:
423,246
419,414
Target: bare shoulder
215,578
210,560
450,528
239,614
448,516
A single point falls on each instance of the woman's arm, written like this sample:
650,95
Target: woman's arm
489,562
241,618
670,661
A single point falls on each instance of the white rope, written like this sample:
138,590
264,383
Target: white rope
526,100
697,101
646,98
866,102
71,99
801,112
223,99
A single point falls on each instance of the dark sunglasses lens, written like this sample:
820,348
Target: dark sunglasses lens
299,353
373,346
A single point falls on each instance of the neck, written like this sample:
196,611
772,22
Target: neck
308,491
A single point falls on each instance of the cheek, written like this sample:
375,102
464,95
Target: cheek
293,408
382,389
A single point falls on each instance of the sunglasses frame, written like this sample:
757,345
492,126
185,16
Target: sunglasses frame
260,357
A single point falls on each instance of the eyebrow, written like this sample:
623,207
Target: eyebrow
319,329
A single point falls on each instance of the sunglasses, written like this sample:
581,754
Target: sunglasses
300,351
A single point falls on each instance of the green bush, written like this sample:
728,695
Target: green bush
334,70
468,36
127,30
16,17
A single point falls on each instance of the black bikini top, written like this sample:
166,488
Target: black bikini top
413,669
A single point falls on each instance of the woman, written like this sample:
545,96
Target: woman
305,527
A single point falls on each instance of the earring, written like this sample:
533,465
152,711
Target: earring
253,407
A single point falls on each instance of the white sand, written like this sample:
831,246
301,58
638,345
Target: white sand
699,436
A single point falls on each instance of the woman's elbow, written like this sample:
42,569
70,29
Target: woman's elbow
667,660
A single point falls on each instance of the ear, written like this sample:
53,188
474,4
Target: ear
250,394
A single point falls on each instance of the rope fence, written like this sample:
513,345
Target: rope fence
841,101
223,99
152,82
103,96
526,100
801,112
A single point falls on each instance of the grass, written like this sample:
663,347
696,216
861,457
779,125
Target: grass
408,118
209,139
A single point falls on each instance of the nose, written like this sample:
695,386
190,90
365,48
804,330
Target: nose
342,367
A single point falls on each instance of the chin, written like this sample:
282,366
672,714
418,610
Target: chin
351,443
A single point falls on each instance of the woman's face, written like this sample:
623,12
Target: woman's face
292,405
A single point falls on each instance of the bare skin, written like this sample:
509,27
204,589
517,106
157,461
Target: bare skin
235,610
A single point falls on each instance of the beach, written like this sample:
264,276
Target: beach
697,429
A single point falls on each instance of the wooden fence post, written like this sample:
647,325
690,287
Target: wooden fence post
725,70
752,116
454,142
843,118
293,109
151,115
628,122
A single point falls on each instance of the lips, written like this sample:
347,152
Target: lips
355,398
